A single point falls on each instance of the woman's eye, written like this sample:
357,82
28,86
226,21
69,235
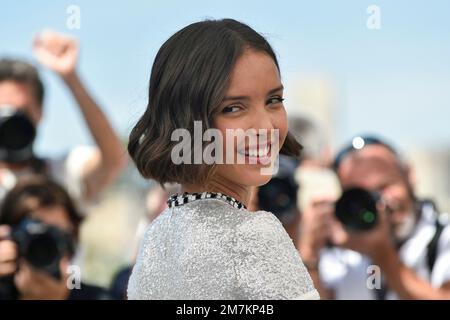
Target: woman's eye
274,100
231,109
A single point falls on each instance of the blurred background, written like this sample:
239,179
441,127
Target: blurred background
349,78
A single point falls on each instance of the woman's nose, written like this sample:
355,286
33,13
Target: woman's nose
262,119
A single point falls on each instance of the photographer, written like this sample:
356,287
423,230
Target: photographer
39,226
85,171
406,238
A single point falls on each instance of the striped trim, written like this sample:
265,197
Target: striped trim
178,200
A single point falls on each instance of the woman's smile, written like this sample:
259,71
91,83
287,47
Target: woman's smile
257,154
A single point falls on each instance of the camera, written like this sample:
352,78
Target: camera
42,245
17,134
279,195
356,209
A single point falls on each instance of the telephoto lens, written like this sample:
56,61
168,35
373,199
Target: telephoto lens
17,134
42,245
279,195
357,209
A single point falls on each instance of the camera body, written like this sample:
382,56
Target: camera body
42,245
17,134
356,209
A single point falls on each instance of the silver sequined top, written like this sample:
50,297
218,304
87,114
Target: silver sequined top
207,249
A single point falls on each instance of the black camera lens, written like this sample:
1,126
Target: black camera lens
16,132
42,245
279,195
357,209
42,251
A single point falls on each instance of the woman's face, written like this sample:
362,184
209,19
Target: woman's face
254,100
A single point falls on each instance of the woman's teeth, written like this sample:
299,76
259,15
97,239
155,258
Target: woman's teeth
260,152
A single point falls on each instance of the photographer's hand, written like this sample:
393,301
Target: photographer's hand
378,245
8,252
34,284
314,233
315,227
372,243
57,52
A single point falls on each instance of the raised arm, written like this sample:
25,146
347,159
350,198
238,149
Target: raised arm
59,53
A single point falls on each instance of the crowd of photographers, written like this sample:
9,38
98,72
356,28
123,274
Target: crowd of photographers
360,228
44,200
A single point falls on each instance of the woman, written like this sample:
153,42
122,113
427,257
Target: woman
207,245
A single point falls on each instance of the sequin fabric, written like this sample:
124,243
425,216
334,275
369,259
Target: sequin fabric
207,249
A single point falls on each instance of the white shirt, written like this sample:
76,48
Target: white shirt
346,271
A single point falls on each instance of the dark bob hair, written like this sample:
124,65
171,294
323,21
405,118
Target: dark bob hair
188,81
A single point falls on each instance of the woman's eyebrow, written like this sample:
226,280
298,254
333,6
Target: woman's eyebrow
272,91
275,90
228,98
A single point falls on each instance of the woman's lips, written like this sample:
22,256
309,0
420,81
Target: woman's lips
257,155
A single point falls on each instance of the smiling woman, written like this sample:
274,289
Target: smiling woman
207,245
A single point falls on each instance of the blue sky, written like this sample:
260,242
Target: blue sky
394,81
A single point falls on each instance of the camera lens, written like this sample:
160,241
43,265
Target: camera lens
357,209
278,196
42,245
17,132
43,250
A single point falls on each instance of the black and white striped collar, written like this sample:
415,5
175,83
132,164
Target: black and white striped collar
178,200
